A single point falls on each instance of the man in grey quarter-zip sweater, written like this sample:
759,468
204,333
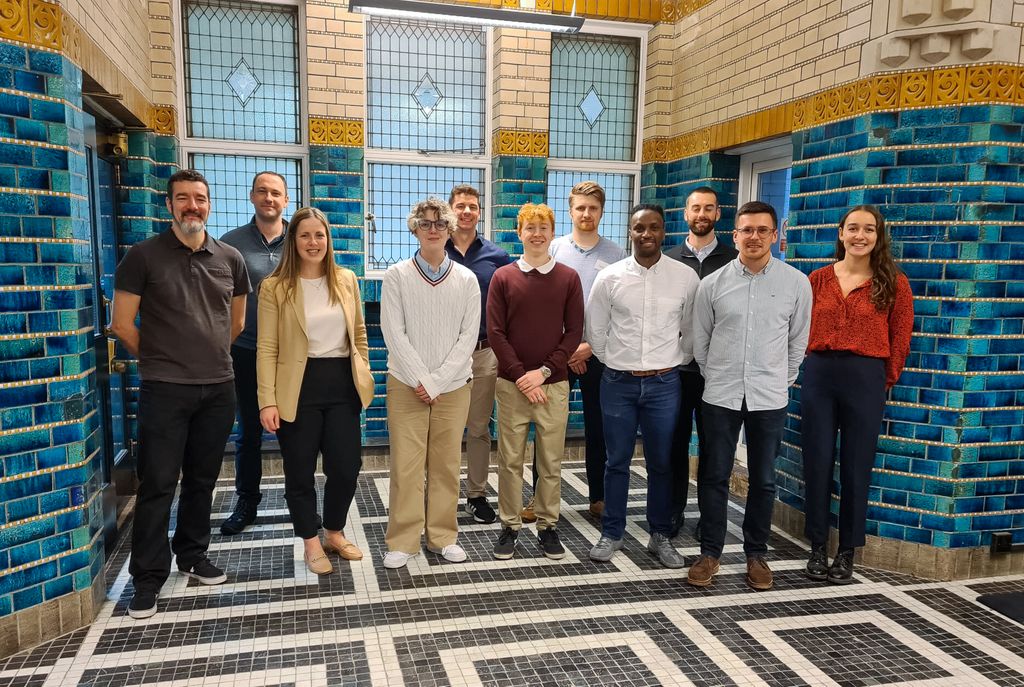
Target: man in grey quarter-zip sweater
260,242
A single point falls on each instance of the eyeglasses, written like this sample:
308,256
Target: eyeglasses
427,224
762,232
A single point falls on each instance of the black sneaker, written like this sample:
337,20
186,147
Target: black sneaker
505,548
841,571
817,564
480,510
205,571
143,604
243,516
549,544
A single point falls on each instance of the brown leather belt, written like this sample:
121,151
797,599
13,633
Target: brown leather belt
482,344
650,373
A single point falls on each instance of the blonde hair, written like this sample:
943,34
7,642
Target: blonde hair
588,188
530,212
420,209
288,269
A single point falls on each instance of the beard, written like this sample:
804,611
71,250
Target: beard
701,228
191,225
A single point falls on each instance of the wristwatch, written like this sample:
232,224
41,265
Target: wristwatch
545,371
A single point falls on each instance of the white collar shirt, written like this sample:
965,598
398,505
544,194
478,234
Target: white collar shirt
543,269
640,319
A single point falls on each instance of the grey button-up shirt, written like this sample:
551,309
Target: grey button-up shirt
261,258
750,334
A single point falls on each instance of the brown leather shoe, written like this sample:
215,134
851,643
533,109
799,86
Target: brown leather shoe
759,575
527,514
703,571
597,508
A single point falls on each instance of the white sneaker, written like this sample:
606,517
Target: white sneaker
396,559
453,553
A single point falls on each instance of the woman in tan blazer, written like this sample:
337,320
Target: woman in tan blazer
313,375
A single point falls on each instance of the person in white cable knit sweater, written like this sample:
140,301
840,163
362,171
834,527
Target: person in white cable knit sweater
430,317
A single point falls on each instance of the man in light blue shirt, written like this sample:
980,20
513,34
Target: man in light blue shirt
751,323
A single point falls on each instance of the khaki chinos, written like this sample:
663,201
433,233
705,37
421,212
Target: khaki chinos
425,440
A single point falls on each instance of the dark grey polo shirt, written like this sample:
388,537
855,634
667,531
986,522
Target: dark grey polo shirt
261,258
185,313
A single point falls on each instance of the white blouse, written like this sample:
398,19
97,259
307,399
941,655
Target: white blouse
326,330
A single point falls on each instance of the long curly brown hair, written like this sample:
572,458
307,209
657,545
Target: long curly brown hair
883,267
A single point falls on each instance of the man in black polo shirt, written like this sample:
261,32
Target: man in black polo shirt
189,291
260,242
702,251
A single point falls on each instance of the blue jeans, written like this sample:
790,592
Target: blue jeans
650,403
764,436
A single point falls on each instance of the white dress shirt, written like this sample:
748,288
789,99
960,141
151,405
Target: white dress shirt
640,318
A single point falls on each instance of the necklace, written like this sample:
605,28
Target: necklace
319,283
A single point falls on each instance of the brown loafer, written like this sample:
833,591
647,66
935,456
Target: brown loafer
319,565
597,508
344,548
759,575
702,572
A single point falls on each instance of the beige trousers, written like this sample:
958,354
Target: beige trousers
425,439
515,414
478,424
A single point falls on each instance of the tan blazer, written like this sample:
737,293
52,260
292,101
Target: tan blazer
282,347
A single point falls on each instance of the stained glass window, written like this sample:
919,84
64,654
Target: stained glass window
618,189
594,97
426,87
242,71
230,178
391,191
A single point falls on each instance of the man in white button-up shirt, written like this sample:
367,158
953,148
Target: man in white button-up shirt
639,322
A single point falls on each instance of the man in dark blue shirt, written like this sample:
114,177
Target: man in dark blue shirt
467,247
260,242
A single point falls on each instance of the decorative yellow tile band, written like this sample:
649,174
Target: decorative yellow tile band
976,84
650,11
336,132
32,21
521,142
162,119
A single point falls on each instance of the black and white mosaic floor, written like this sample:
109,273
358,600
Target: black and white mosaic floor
527,621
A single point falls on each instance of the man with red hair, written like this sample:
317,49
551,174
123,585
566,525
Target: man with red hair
534,324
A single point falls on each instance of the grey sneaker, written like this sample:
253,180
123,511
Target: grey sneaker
604,548
661,547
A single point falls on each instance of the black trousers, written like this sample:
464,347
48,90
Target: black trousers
593,428
689,405
326,422
249,443
844,394
182,429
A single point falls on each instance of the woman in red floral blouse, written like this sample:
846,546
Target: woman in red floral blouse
860,336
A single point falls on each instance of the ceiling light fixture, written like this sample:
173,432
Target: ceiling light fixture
469,14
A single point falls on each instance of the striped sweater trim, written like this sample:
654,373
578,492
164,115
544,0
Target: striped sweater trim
423,275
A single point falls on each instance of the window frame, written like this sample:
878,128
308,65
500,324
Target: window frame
634,167
413,157
189,145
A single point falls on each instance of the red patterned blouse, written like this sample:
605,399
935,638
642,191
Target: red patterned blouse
854,324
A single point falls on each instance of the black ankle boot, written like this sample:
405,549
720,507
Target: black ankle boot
841,571
817,564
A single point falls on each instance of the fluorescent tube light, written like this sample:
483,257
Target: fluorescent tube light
468,14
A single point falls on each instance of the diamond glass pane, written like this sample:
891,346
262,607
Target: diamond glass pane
230,179
594,97
391,191
242,72
426,87
618,190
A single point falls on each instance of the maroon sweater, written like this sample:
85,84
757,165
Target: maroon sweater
534,319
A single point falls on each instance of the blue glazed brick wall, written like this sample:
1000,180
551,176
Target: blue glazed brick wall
516,181
50,514
669,183
142,213
949,465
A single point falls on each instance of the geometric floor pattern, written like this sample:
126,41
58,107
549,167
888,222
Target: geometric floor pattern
526,621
